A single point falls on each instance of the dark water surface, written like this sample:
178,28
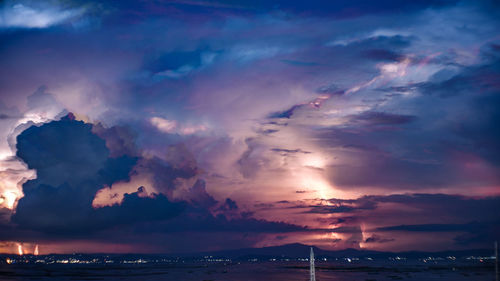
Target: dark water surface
263,271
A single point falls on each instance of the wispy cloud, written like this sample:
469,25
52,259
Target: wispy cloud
19,15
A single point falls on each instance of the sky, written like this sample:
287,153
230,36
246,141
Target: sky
189,125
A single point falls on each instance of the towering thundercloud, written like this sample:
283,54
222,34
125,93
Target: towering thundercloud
311,265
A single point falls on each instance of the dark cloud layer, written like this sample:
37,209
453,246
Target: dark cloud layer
337,9
474,219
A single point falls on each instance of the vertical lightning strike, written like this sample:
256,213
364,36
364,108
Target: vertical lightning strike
20,249
363,235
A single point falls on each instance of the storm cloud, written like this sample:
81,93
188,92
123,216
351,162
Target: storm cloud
225,124
73,164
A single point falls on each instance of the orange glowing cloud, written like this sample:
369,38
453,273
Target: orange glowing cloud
13,174
113,195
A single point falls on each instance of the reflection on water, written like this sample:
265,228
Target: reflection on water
242,272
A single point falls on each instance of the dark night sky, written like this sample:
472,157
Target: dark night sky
168,126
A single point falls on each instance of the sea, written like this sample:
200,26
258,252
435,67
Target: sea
247,271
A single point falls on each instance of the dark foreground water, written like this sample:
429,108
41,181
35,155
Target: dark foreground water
262,271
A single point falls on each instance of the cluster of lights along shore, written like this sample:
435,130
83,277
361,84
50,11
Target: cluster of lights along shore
107,259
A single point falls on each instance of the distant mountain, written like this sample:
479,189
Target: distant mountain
298,250
294,251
